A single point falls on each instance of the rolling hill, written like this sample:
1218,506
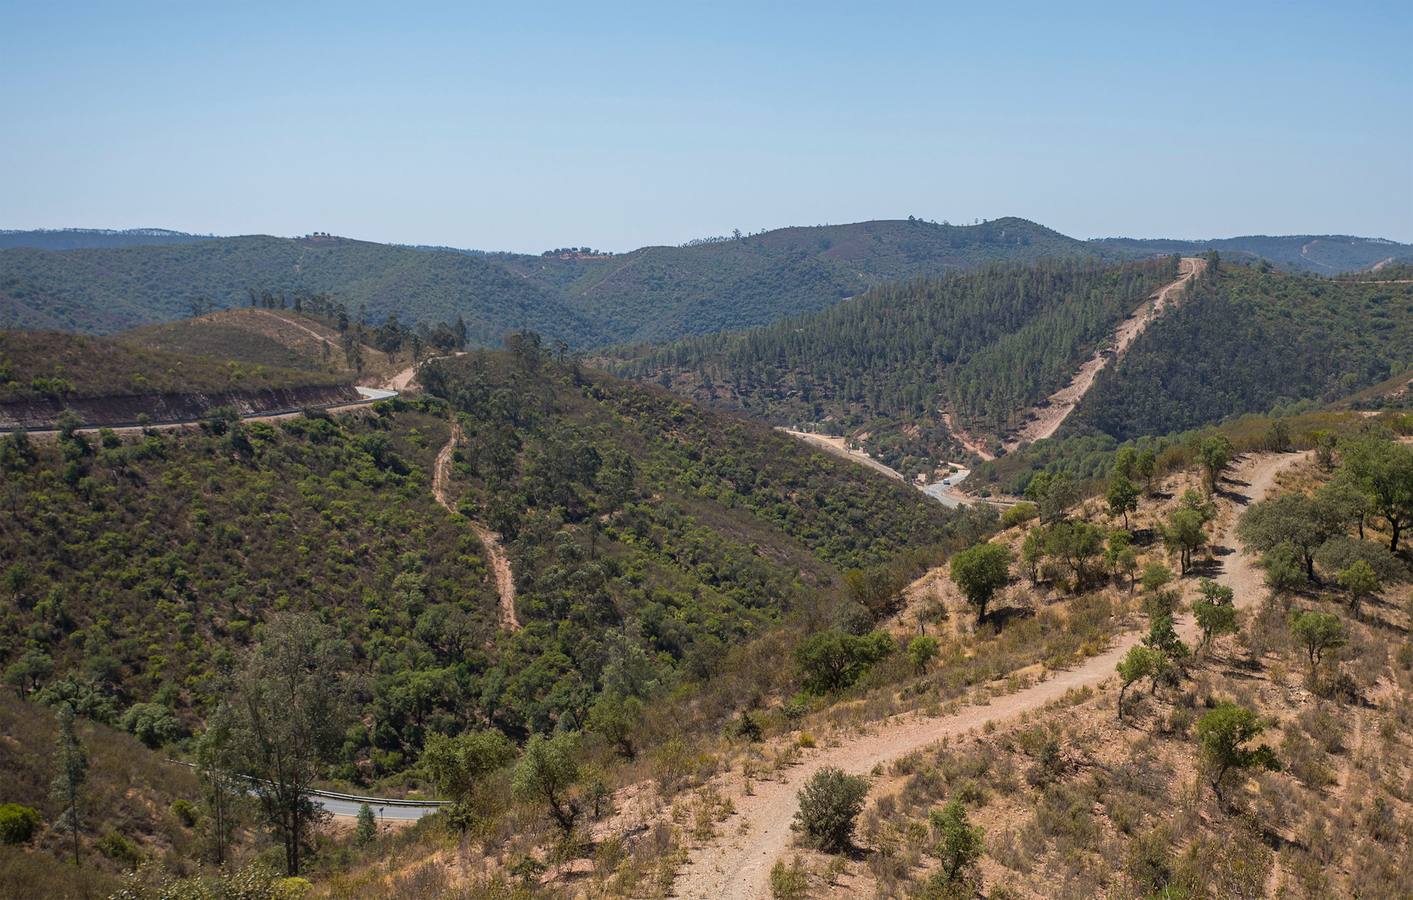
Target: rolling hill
80,238
1322,254
983,346
102,290
891,364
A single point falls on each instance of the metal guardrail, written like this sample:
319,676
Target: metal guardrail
169,423
351,798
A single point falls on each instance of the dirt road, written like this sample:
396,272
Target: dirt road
738,864
837,446
1044,420
495,553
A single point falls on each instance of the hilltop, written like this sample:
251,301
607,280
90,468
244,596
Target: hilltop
1321,254
934,369
93,281
76,238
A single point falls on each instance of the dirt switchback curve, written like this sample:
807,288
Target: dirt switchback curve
495,553
736,865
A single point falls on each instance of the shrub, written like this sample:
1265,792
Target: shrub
789,882
185,812
958,842
830,802
120,850
1019,515
17,823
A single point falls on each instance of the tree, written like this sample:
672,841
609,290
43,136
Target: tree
1033,551
1384,470
222,788
459,765
1283,568
831,660
287,722
1146,467
922,650
367,829
67,787
1140,662
615,718
1076,542
1360,580
546,773
1214,611
1215,454
1122,497
981,571
1223,735
959,844
29,671
152,723
1184,533
1318,632
1052,495
829,803
1155,577
1295,519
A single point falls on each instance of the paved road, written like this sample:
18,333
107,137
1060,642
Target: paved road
340,805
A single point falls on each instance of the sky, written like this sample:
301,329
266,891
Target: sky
621,125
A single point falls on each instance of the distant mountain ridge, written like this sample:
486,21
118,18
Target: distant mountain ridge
1323,254
85,238
96,281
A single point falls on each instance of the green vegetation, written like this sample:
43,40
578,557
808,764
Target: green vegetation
648,538
830,802
102,290
64,367
1245,341
983,344
1326,254
1223,736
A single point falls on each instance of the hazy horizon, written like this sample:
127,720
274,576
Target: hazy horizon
629,126
394,242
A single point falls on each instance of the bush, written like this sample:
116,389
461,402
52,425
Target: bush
185,812
1019,514
17,823
829,803
120,850
789,882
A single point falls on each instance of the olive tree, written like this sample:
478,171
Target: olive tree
1223,735
981,571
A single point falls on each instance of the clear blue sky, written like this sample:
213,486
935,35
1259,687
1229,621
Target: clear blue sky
615,126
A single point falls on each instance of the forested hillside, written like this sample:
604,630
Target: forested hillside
1247,341
584,298
983,344
661,293
63,367
75,238
641,529
1328,254
99,290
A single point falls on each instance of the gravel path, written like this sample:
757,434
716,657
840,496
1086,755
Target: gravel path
737,865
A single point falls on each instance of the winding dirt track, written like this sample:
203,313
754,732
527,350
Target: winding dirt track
495,553
1044,420
737,865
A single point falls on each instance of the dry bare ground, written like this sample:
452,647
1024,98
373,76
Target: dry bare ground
1045,419
495,553
837,446
738,864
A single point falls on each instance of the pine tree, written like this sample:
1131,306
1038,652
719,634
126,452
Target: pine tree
67,789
